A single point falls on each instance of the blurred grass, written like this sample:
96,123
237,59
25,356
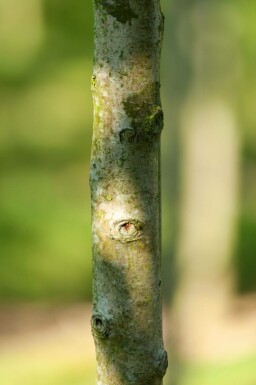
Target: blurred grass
45,373
235,373
21,370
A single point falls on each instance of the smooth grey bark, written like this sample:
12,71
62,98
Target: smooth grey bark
125,175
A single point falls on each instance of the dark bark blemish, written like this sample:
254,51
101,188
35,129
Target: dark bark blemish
93,81
144,110
127,135
155,120
119,9
161,24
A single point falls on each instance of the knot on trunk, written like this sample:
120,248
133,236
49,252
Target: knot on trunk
161,363
100,326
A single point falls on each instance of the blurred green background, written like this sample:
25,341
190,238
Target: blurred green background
46,122
208,74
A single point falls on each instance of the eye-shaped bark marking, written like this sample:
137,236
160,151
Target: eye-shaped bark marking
127,230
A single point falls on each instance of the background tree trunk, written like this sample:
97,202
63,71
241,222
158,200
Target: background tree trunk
128,119
209,180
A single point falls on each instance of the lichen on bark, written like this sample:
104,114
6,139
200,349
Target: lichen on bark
124,178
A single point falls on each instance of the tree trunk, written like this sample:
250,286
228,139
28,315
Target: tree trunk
125,175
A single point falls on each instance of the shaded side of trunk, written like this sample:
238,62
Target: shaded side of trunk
128,119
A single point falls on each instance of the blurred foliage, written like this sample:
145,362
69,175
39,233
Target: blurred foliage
177,79
45,136
46,119
245,250
245,253
235,373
